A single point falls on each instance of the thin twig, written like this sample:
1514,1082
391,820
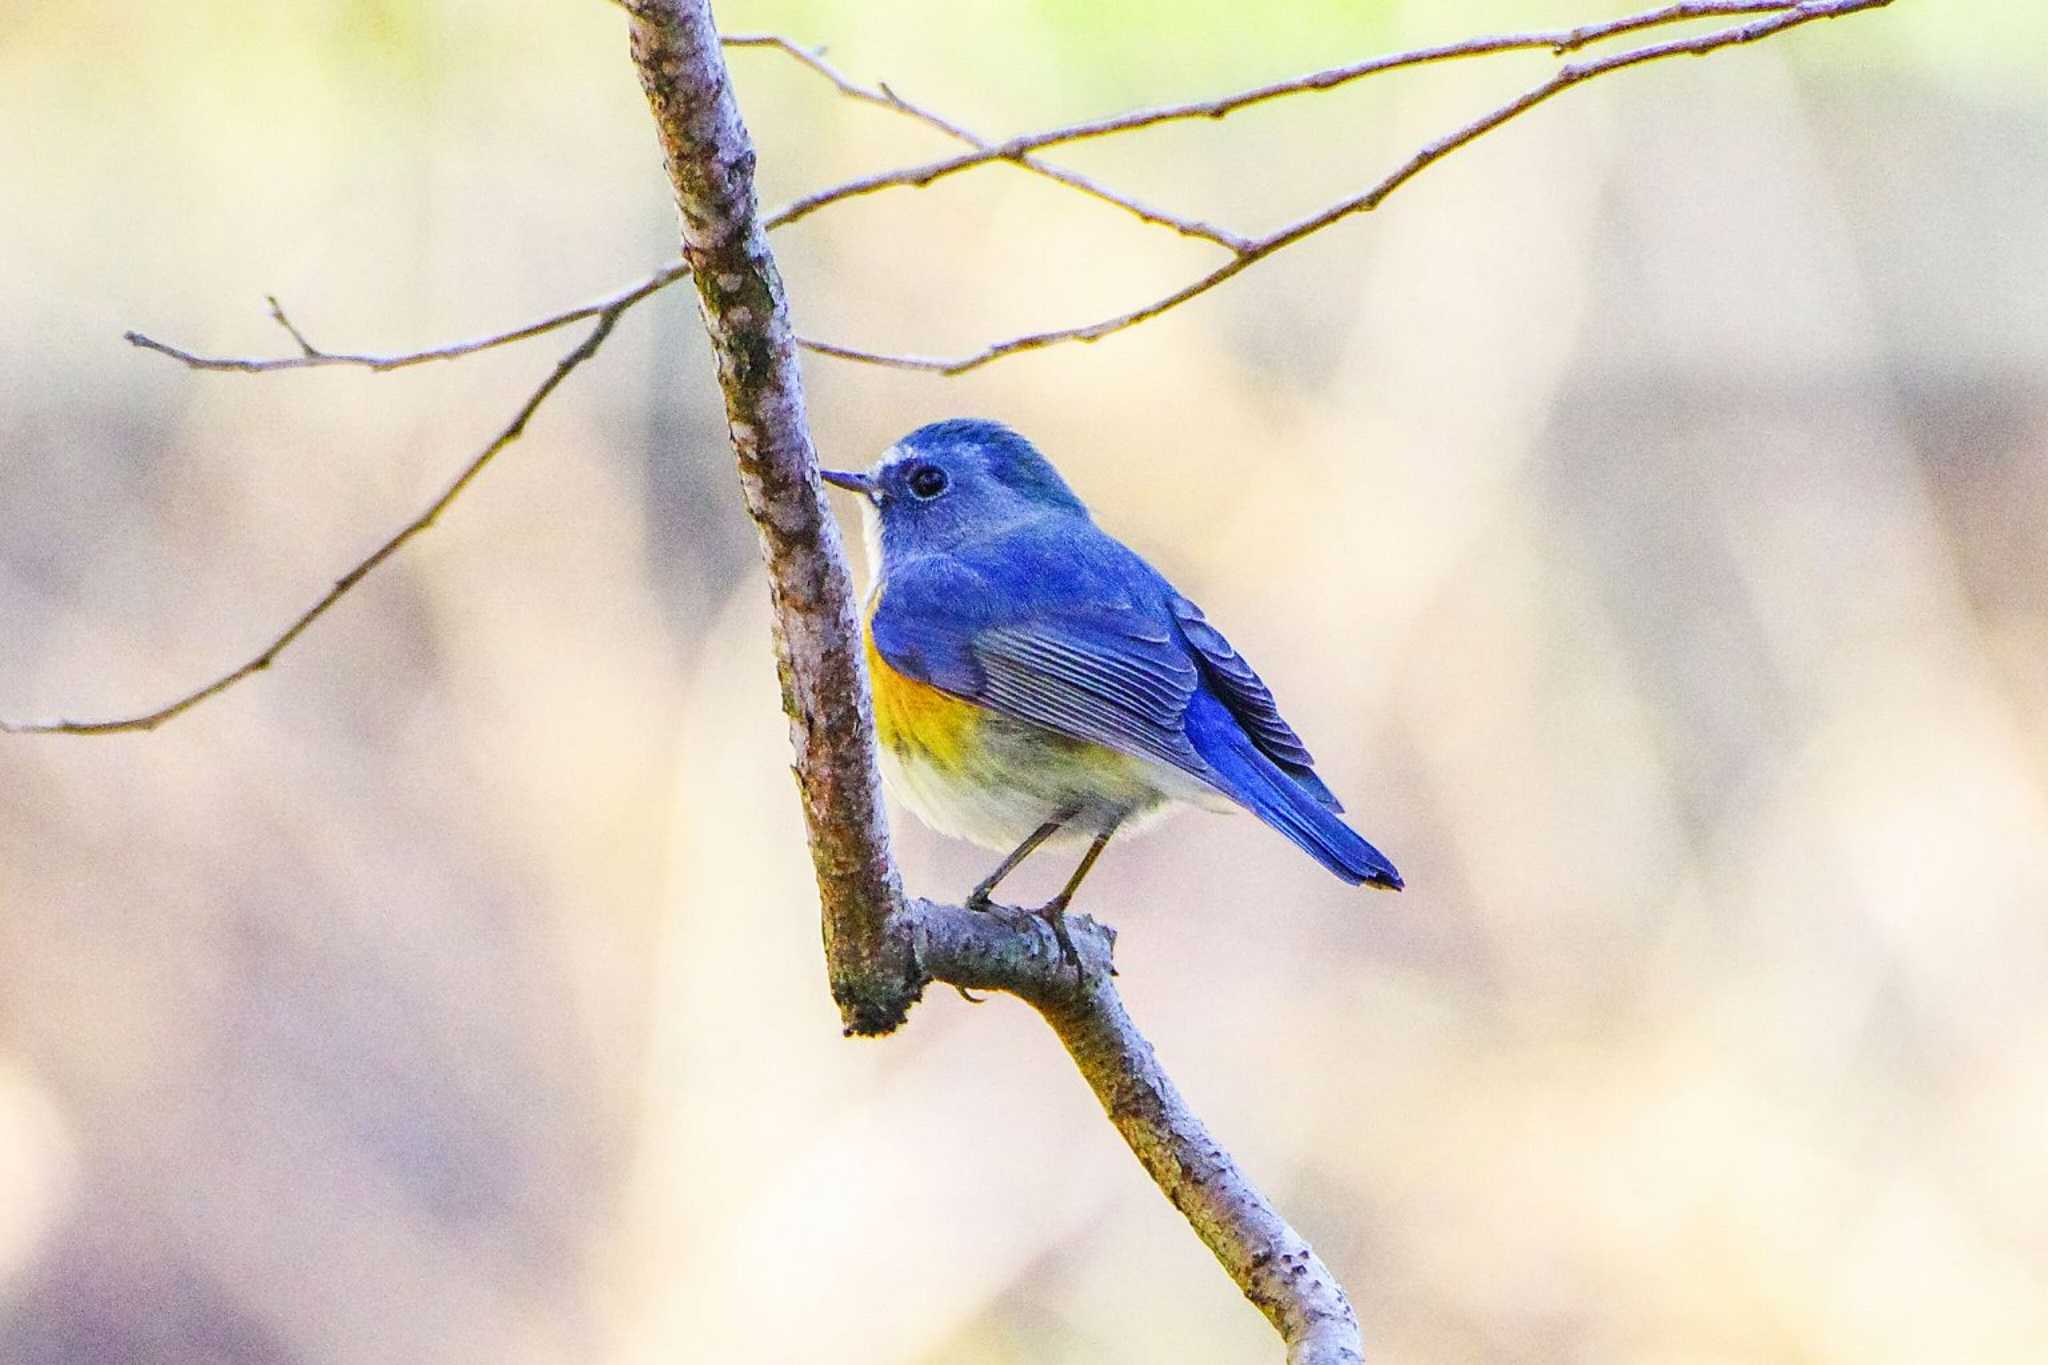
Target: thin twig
1779,19
607,318
311,357
1558,41
884,96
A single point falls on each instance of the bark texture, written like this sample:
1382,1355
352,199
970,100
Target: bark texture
710,161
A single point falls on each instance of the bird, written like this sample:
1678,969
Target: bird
1037,682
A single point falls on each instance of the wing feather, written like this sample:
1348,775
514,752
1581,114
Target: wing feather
1245,693
984,624
1095,677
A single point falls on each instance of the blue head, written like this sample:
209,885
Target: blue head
953,482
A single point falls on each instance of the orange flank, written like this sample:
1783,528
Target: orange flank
914,715
976,773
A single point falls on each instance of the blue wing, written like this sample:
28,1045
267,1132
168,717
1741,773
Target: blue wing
1075,638
1063,626
1102,676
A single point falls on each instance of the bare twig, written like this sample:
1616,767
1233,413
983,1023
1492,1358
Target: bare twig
880,949
1554,40
883,96
1779,18
607,318
311,357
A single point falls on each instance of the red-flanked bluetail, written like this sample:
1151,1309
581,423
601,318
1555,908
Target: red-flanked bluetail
1035,679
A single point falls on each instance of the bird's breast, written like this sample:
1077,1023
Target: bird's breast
915,716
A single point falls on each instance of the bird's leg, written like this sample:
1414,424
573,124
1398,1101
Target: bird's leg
978,898
1055,910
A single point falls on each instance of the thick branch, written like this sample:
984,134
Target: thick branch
880,949
710,161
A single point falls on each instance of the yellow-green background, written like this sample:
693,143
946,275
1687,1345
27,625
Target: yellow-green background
1644,517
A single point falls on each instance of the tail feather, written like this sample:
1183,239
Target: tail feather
1300,810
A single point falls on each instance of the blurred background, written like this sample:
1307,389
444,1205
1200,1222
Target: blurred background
1644,517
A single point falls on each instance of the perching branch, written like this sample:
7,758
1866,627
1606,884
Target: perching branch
1776,16
881,949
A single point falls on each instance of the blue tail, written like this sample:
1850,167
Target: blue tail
1299,809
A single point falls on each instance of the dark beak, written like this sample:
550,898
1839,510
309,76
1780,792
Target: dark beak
863,484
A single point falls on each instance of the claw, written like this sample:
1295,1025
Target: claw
970,997
1054,913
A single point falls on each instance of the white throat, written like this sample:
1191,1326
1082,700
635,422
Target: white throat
871,536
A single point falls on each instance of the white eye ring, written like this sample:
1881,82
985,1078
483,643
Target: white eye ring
927,482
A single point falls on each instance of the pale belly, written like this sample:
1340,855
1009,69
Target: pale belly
1015,778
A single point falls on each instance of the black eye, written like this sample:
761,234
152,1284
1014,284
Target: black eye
928,481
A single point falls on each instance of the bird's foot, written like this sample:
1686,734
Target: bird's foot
1054,913
970,997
